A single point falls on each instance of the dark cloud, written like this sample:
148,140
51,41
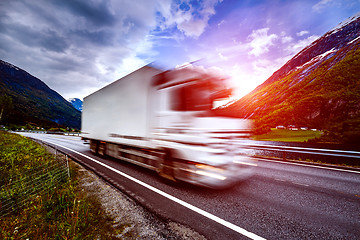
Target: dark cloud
52,41
57,23
99,37
98,13
76,46
46,39
42,12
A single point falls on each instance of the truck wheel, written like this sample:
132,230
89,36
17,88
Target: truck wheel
93,146
166,167
101,149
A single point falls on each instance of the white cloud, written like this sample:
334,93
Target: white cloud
192,21
221,55
260,41
263,66
320,5
302,33
286,39
221,23
301,44
192,28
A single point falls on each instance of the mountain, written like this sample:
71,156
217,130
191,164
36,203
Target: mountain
77,103
33,101
318,88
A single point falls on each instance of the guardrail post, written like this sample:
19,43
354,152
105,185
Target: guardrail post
67,165
284,155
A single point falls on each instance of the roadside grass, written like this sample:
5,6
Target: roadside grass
286,135
62,211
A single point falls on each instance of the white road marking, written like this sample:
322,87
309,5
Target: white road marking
301,184
278,179
313,166
181,202
281,180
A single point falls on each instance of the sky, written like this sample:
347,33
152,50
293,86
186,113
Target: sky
78,46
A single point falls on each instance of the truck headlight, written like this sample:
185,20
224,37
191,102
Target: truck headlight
210,171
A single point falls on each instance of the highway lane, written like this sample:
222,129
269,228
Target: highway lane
281,201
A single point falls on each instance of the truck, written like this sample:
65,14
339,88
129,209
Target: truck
164,121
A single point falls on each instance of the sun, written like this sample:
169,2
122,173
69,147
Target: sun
243,83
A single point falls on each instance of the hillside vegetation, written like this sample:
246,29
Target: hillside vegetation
61,212
328,98
33,101
319,88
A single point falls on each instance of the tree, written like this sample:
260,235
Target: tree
6,105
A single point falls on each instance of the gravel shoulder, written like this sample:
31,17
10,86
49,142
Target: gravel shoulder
130,220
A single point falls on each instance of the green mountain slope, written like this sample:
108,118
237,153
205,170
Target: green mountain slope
318,88
33,101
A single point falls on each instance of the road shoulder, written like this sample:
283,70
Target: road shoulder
128,215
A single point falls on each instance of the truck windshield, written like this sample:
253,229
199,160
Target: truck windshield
194,97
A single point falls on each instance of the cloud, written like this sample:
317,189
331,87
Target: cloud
192,28
286,39
77,46
189,17
221,23
260,41
46,39
320,5
222,56
72,44
302,33
296,47
97,13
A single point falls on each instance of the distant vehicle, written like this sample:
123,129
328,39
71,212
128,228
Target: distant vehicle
163,120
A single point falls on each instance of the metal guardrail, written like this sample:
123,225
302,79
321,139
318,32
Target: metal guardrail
303,153
64,133
315,151
52,132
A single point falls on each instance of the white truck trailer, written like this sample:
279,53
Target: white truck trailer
163,120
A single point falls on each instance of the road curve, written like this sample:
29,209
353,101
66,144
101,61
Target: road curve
281,201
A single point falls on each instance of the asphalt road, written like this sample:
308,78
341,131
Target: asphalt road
281,201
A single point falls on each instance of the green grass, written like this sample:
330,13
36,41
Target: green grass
63,211
285,135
